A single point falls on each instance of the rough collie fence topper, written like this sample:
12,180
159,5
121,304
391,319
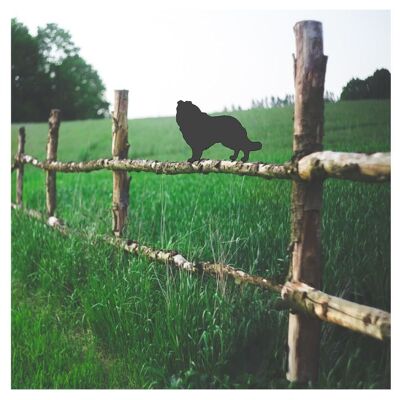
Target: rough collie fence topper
201,131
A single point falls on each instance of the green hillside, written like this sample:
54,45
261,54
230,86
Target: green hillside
85,315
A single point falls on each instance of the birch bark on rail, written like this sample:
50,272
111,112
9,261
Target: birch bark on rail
355,166
359,318
324,164
20,168
52,144
266,171
310,66
120,147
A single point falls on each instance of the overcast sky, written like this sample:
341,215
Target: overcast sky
214,58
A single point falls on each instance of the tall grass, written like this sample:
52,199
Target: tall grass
86,315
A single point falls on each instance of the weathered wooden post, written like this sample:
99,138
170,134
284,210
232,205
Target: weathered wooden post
120,147
306,266
52,144
20,168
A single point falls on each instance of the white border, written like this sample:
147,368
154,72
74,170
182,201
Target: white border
9,10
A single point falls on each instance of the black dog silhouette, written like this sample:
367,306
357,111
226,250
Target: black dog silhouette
201,131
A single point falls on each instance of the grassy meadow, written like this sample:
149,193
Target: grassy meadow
86,315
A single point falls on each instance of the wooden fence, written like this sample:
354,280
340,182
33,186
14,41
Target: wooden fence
307,169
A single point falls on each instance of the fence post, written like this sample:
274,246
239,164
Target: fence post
20,168
52,144
310,65
120,147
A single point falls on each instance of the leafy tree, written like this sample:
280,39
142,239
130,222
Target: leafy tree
24,67
376,86
379,84
55,44
48,72
74,79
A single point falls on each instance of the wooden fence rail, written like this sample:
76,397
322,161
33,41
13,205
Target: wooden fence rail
326,164
297,296
307,169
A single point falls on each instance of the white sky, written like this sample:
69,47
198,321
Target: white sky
215,58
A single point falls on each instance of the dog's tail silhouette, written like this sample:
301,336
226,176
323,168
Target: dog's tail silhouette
253,146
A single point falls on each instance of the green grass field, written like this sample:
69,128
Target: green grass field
85,315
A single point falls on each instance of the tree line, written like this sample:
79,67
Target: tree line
376,86
48,72
277,102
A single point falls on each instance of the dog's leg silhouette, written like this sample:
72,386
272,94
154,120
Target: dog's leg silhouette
234,156
245,155
196,155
